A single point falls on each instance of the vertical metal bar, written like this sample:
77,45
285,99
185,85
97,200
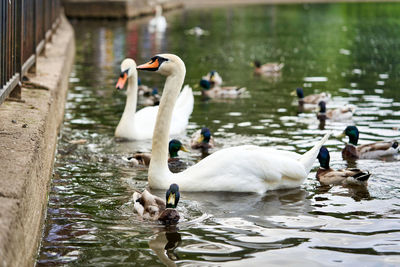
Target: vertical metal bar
16,93
34,34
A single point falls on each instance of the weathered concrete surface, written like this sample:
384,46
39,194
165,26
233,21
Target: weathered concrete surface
28,137
115,8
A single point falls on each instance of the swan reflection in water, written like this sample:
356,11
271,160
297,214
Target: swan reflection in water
164,244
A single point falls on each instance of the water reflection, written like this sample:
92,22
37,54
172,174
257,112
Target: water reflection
348,50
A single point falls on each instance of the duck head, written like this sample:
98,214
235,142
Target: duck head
172,196
353,134
322,107
205,135
128,69
257,63
165,64
323,157
205,84
174,147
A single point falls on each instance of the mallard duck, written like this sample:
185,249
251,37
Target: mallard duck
140,125
202,139
267,68
158,23
174,163
328,176
208,91
368,151
170,215
311,99
151,207
150,98
260,168
337,114
213,78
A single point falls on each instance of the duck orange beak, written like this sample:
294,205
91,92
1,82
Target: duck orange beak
151,65
121,81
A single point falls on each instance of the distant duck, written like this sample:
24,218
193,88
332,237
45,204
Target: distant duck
158,23
202,139
151,207
140,125
311,99
196,31
170,215
213,78
174,163
267,68
328,176
368,151
150,98
208,91
339,114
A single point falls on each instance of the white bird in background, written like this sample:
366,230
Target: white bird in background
158,23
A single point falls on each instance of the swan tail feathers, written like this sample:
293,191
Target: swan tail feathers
308,158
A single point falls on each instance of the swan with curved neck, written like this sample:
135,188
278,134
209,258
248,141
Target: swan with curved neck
260,168
140,125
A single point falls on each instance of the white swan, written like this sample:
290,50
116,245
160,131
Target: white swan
158,23
260,168
140,125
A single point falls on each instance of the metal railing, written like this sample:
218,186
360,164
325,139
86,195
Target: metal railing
25,27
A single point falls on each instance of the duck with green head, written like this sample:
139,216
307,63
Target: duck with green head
328,176
202,139
267,69
337,114
310,99
174,163
368,151
170,215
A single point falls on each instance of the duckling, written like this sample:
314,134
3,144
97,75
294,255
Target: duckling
267,68
174,163
170,215
328,176
202,139
310,99
368,151
208,91
338,114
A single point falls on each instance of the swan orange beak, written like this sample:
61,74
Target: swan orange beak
121,81
151,65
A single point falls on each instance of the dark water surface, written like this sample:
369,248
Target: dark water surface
349,50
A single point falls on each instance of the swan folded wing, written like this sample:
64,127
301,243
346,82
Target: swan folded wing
145,119
182,111
244,169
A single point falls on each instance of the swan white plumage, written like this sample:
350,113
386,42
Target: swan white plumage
158,23
140,125
260,168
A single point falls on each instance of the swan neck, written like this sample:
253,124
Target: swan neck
159,159
131,99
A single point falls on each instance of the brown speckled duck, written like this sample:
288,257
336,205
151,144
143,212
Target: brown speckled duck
328,176
368,151
151,207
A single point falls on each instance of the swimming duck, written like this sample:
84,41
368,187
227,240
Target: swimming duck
170,215
151,207
368,151
140,125
202,139
196,31
260,168
150,98
213,78
267,68
208,91
328,176
311,99
174,163
337,114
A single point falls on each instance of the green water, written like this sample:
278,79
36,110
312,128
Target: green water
353,47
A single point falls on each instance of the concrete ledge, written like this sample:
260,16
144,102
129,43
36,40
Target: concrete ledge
28,138
114,8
